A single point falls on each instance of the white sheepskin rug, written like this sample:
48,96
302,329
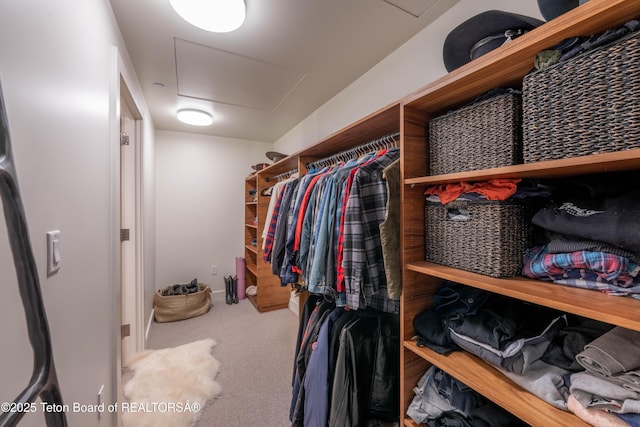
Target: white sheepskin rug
170,387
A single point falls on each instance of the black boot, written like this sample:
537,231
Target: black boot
227,289
234,289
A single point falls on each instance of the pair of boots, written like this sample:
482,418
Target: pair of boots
231,289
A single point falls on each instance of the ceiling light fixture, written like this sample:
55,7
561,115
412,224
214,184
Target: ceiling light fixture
195,117
219,16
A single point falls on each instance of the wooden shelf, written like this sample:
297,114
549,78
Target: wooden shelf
502,67
251,248
620,311
251,226
252,269
506,66
596,163
252,298
263,308
476,373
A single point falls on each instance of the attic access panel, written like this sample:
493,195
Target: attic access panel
233,79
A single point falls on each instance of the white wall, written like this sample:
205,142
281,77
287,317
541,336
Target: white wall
410,67
200,204
56,67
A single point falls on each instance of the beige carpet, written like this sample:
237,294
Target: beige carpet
170,387
255,351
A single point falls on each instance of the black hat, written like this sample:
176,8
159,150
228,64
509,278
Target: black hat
553,8
483,33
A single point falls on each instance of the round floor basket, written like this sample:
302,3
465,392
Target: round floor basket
169,308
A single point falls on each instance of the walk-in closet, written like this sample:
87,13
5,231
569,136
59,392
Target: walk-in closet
322,213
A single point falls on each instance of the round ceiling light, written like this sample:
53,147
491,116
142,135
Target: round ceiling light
195,117
219,16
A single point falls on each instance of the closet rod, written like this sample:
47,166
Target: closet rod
282,175
386,141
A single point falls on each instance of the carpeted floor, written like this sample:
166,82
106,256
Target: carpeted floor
255,351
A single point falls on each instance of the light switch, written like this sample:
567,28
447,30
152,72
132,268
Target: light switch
54,257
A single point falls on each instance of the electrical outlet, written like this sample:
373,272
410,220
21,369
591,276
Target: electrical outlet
214,270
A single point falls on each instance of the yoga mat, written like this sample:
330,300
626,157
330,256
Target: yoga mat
241,275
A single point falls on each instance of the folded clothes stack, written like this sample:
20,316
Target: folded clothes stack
593,240
495,189
573,363
442,400
611,380
514,336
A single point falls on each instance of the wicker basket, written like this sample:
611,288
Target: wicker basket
484,135
179,307
491,241
587,105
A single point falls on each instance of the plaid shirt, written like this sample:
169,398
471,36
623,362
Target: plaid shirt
538,263
365,279
271,231
341,211
609,289
600,271
300,221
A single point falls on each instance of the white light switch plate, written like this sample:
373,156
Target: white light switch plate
54,257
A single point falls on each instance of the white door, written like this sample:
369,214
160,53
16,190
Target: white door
128,263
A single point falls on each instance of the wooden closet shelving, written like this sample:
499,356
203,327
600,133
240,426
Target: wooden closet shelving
250,230
502,67
271,295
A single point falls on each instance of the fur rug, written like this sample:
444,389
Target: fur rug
170,387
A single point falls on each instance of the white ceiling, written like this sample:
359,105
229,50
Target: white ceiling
288,58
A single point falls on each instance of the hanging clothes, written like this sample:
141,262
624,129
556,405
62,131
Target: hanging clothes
321,271
279,239
324,232
365,278
390,231
346,367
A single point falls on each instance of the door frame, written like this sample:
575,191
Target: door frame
134,307
121,82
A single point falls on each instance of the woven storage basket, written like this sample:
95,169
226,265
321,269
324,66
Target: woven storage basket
587,105
491,241
178,307
484,135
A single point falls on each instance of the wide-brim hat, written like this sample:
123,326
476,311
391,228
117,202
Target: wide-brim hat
274,156
553,8
483,33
